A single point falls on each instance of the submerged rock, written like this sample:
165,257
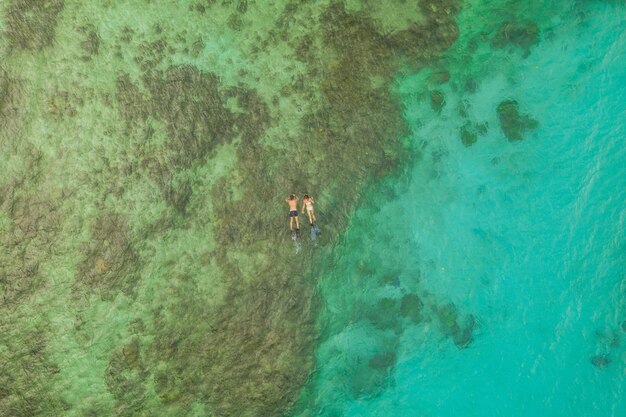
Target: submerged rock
440,76
384,315
464,336
608,337
383,360
110,263
411,307
391,279
520,34
471,85
367,382
437,101
482,128
468,136
91,44
600,361
447,317
513,123
370,377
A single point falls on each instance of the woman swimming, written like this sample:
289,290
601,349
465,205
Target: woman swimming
307,201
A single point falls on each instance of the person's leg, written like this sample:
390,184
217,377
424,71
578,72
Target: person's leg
291,223
297,222
313,214
308,212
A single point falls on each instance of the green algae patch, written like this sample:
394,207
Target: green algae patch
512,123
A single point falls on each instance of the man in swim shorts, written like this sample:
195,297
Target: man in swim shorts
293,212
307,201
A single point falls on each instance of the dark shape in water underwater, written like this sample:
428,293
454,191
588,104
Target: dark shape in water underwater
600,361
513,123
437,101
315,231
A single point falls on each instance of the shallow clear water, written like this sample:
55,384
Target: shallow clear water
525,238
468,165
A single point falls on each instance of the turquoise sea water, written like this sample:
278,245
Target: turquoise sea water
525,238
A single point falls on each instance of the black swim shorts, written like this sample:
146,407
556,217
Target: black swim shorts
293,213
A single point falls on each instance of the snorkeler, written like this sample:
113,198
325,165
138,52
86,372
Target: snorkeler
293,212
307,201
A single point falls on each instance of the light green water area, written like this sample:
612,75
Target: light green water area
146,151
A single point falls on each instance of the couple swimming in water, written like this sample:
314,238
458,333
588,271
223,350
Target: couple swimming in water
307,203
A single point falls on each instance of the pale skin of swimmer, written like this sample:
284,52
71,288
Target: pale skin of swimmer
292,200
308,202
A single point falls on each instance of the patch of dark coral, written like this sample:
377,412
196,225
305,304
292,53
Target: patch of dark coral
437,101
151,54
520,34
440,76
202,6
197,47
460,329
370,377
305,50
29,237
31,23
255,118
215,366
471,85
411,307
130,102
177,193
425,41
91,43
468,135
234,22
600,361
242,7
357,38
127,34
9,102
125,378
64,104
110,263
384,315
512,123
27,373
